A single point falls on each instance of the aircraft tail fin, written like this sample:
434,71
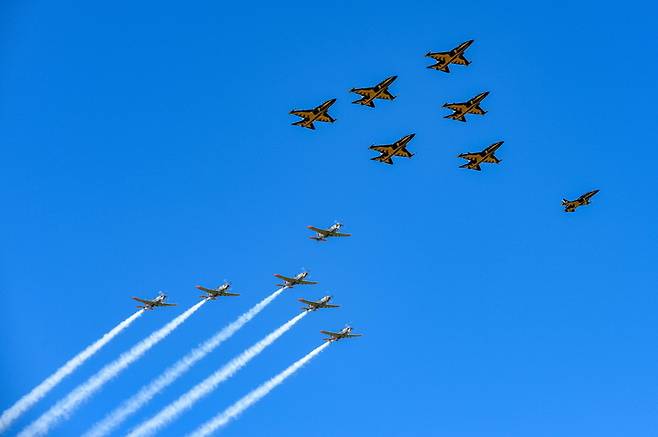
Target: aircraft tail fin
471,166
304,123
440,67
458,117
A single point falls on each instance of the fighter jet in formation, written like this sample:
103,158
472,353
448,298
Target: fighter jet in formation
309,116
379,91
316,305
454,56
159,301
471,106
346,332
323,234
571,205
388,151
477,158
297,280
214,293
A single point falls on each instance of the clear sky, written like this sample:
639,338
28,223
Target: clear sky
147,146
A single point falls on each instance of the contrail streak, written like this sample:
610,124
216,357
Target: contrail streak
65,407
26,402
147,392
206,386
254,396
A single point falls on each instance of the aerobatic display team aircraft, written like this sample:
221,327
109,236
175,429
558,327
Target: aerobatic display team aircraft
388,151
214,293
323,234
571,205
309,116
379,91
346,332
477,158
297,280
454,56
313,306
471,106
159,301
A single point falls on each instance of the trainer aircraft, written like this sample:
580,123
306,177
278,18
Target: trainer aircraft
309,116
454,56
477,158
388,151
323,234
299,279
379,91
571,205
159,301
316,305
214,293
346,332
471,106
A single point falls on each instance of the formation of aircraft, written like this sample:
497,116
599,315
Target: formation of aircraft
388,151
323,234
471,106
379,91
346,332
316,305
584,199
477,158
214,293
158,301
454,56
309,116
298,279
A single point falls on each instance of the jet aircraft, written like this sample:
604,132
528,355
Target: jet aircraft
159,301
309,116
323,234
477,158
454,56
299,279
214,293
388,151
471,106
313,306
571,205
346,332
379,91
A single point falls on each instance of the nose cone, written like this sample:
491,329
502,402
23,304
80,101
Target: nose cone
330,102
483,95
411,136
468,43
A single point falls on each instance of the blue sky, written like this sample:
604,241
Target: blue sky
147,146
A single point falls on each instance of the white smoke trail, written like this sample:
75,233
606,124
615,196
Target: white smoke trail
65,407
254,396
127,408
26,402
206,386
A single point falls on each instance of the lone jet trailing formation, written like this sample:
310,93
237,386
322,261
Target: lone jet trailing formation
379,91
346,332
309,116
299,279
316,305
214,293
159,301
471,106
477,158
454,56
323,234
388,151
571,205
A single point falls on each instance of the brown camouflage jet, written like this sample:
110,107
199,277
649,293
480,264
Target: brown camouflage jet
454,56
571,205
477,158
309,116
379,91
471,106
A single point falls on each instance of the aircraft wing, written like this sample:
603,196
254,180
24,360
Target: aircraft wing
328,305
404,153
302,113
457,107
318,230
207,290
307,302
470,156
307,282
166,304
340,234
439,56
366,92
491,159
460,60
285,278
144,301
385,95
326,118
353,335
383,149
386,159
332,334
477,110
231,294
